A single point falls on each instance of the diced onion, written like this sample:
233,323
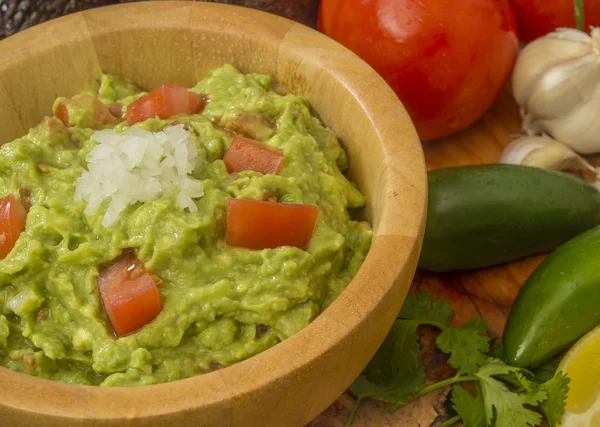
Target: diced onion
139,166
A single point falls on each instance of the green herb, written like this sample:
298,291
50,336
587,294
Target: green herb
553,407
469,408
466,347
423,308
504,407
395,371
548,369
507,396
579,14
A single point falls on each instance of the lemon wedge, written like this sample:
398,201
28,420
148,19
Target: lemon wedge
582,365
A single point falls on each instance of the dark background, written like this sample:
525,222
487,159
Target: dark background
17,15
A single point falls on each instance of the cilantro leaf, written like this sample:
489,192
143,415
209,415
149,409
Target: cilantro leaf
517,379
497,348
503,406
556,388
470,408
466,347
494,367
520,380
506,407
548,369
395,372
422,307
507,396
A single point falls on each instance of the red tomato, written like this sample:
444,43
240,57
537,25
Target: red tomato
163,102
12,223
129,294
249,154
102,113
255,224
539,17
447,61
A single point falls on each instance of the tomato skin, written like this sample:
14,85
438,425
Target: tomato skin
101,112
256,224
164,102
447,64
12,223
538,17
249,154
129,294
62,113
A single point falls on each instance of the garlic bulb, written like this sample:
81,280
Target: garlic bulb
543,152
556,82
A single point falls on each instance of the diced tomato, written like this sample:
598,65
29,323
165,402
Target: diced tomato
163,102
256,224
101,112
129,294
249,154
12,223
251,125
62,113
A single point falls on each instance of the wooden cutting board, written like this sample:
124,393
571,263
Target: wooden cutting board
487,293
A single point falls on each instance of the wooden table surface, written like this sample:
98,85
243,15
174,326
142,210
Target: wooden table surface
487,293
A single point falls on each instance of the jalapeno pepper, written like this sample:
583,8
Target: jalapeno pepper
559,303
490,214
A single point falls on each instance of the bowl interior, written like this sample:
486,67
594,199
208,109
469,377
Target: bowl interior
178,43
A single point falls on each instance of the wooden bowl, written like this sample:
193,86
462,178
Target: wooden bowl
179,42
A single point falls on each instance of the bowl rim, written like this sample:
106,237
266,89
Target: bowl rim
219,380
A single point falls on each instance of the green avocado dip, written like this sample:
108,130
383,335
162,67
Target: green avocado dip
219,304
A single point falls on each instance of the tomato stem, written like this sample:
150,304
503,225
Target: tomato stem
579,14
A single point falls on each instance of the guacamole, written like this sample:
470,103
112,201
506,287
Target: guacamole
220,304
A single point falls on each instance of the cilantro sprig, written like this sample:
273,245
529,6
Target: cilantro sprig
506,396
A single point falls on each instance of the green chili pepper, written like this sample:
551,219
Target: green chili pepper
558,304
484,215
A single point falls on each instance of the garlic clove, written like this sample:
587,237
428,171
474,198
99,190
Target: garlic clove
556,83
544,53
564,87
555,156
579,129
517,150
572,34
543,152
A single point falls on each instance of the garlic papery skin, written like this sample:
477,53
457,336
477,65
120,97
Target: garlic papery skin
579,129
564,87
543,152
556,82
542,54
